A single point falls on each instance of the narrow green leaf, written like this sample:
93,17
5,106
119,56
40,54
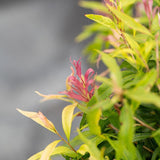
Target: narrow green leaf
134,45
83,121
125,3
105,21
141,136
129,21
156,154
104,91
93,5
139,157
91,147
104,80
106,104
93,123
67,117
156,136
113,67
148,80
77,141
89,30
148,46
48,150
62,150
142,96
126,133
115,144
82,36
40,119
125,54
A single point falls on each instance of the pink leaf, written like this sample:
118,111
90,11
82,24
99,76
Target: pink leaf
148,7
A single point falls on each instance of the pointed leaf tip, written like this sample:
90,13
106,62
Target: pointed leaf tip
51,96
105,21
40,119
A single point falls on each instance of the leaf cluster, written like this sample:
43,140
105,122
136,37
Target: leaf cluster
122,119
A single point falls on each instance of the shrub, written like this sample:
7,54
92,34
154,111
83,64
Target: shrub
120,107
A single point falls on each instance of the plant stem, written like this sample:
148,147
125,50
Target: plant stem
113,127
144,124
148,149
66,142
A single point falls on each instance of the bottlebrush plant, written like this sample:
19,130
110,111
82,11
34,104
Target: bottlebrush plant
120,107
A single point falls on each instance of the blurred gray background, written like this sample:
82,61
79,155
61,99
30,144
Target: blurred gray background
36,43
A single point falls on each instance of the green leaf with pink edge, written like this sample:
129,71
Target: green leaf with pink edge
40,119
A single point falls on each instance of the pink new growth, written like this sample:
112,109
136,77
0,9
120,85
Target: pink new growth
148,7
159,18
80,87
150,12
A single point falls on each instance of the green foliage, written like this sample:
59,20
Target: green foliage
120,119
105,21
67,117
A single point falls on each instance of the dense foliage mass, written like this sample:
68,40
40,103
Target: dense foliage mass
120,108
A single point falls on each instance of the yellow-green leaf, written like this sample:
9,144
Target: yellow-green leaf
126,133
94,122
134,45
67,117
52,96
148,80
60,150
83,149
36,156
40,119
113,67
127,54
93,5
105,21
91,147
156,136
129,21
125,3
64,151
104,80
141,95
49,150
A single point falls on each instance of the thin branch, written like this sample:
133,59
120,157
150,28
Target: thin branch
66,142
113,127
117,106
148,149
144,124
